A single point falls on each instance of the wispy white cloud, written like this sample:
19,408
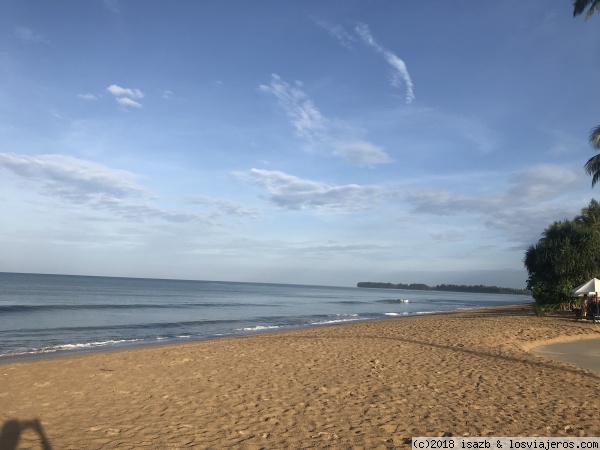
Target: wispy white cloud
126,97
534,186
526,204
533,199
119,91
542,183
71,177
125,101
87,96
293,193
337,32
95,186
307,120
401,75
531,188
362,153
310,124
167,94
28,35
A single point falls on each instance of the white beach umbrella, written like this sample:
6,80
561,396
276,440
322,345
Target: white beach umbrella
589,287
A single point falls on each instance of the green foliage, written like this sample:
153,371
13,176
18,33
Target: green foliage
590,215
566,256
592,166
567,253
544,310
579,7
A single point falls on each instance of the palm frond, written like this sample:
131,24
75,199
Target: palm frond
579,6
595,7
594,138
592,167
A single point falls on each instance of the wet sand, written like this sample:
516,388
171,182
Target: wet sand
368,385
583,353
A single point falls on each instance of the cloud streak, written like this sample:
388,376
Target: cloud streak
311,125
88,96
124,101
119,91
400,75
337,32
307,120
105,189
362,153
126,97
292,193
525,205
401,72
72,177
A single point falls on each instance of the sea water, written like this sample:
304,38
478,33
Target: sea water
56,314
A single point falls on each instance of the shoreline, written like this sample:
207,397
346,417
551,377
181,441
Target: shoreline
112,313
24,357
371,384
541,348
34,356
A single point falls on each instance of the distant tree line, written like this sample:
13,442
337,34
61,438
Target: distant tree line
445,287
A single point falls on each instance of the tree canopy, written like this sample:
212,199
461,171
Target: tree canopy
565,256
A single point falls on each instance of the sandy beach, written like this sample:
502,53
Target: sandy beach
368,385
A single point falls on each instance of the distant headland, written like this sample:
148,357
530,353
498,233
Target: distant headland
445,287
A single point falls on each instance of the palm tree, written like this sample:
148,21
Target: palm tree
580,5
592,166
590,216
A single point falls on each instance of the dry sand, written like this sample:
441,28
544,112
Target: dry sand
366,385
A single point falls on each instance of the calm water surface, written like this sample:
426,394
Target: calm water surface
49,314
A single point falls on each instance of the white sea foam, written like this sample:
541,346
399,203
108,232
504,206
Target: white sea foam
326,322
259,328
83,346
396,314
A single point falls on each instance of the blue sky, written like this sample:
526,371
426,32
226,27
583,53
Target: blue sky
292,142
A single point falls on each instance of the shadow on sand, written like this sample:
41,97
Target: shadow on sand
13,429
488,357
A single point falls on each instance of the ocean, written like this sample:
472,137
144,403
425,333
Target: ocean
58,314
